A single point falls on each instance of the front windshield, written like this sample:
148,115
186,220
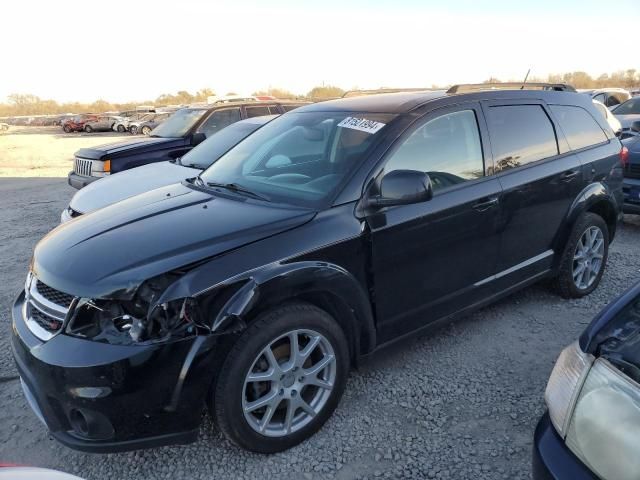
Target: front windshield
218,144
300,158
178,124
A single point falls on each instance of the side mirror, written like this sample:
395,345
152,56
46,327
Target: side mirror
635,126
403,187
197,138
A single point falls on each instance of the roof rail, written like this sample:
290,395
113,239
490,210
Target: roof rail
357,93
472,87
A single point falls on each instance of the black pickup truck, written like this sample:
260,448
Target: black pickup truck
170,140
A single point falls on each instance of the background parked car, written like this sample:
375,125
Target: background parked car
610,97
185,129
147,126
15,472
4,127
138,180
102,123
77,122
591,429
627,113
613,122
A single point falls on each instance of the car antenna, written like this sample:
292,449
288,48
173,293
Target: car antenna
525,79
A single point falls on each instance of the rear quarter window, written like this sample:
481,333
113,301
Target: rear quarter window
580,128
520,134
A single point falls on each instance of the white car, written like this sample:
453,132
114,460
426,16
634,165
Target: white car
116,187
610,97
31,473
613,122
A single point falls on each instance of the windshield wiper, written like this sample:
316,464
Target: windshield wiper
234,187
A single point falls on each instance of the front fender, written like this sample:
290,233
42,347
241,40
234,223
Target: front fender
327,285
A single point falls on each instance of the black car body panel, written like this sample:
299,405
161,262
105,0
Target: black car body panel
202,226
631,186
235,256
552,460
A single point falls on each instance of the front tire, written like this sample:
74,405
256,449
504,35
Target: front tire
88,128
133,130
67,129
584,258
282,379
121,128
146,130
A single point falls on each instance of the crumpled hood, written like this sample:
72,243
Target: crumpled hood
145,144
119,186
108,253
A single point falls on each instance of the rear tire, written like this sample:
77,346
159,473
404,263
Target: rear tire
292,384
121,128
146,130
67,129
133,130
584,258
88,129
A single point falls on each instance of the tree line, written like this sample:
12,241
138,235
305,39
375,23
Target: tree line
27,104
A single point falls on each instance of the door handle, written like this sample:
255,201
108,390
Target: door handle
569,175
485,204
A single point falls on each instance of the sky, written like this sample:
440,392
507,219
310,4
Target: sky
128,50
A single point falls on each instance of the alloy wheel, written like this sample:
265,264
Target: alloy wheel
587,258
289,383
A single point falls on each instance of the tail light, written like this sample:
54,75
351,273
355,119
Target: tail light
624,157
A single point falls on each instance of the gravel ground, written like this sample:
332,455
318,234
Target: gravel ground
459,403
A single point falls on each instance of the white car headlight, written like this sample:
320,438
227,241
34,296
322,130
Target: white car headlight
564,385
605,427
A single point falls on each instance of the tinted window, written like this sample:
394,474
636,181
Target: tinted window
520,134
630,107
257,111
612,100
447,148
179,123
578,126
274,110
218,120
288,108
599,97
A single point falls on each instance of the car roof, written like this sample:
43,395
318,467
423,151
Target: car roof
602,90
405,102
252,103
399,102
258,120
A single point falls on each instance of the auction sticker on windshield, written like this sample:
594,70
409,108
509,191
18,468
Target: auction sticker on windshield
361,124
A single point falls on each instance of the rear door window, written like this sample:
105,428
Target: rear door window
579,126
218,120
257,111
520,134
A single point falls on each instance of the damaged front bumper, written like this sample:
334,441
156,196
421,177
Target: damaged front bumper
99,397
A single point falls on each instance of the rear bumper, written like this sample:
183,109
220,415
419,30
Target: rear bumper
79,181
552,460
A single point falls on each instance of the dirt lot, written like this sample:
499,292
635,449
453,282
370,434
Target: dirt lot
460,403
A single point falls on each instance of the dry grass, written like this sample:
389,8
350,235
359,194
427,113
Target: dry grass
45,151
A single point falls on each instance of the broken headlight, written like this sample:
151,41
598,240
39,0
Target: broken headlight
138,321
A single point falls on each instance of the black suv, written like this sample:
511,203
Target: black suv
331,231
176,136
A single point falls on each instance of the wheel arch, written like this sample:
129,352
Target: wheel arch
595,198
327,286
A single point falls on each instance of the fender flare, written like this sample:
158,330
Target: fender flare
595,194
326,285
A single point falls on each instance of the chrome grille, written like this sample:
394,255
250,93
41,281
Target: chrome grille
45,309
83,167
54,295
